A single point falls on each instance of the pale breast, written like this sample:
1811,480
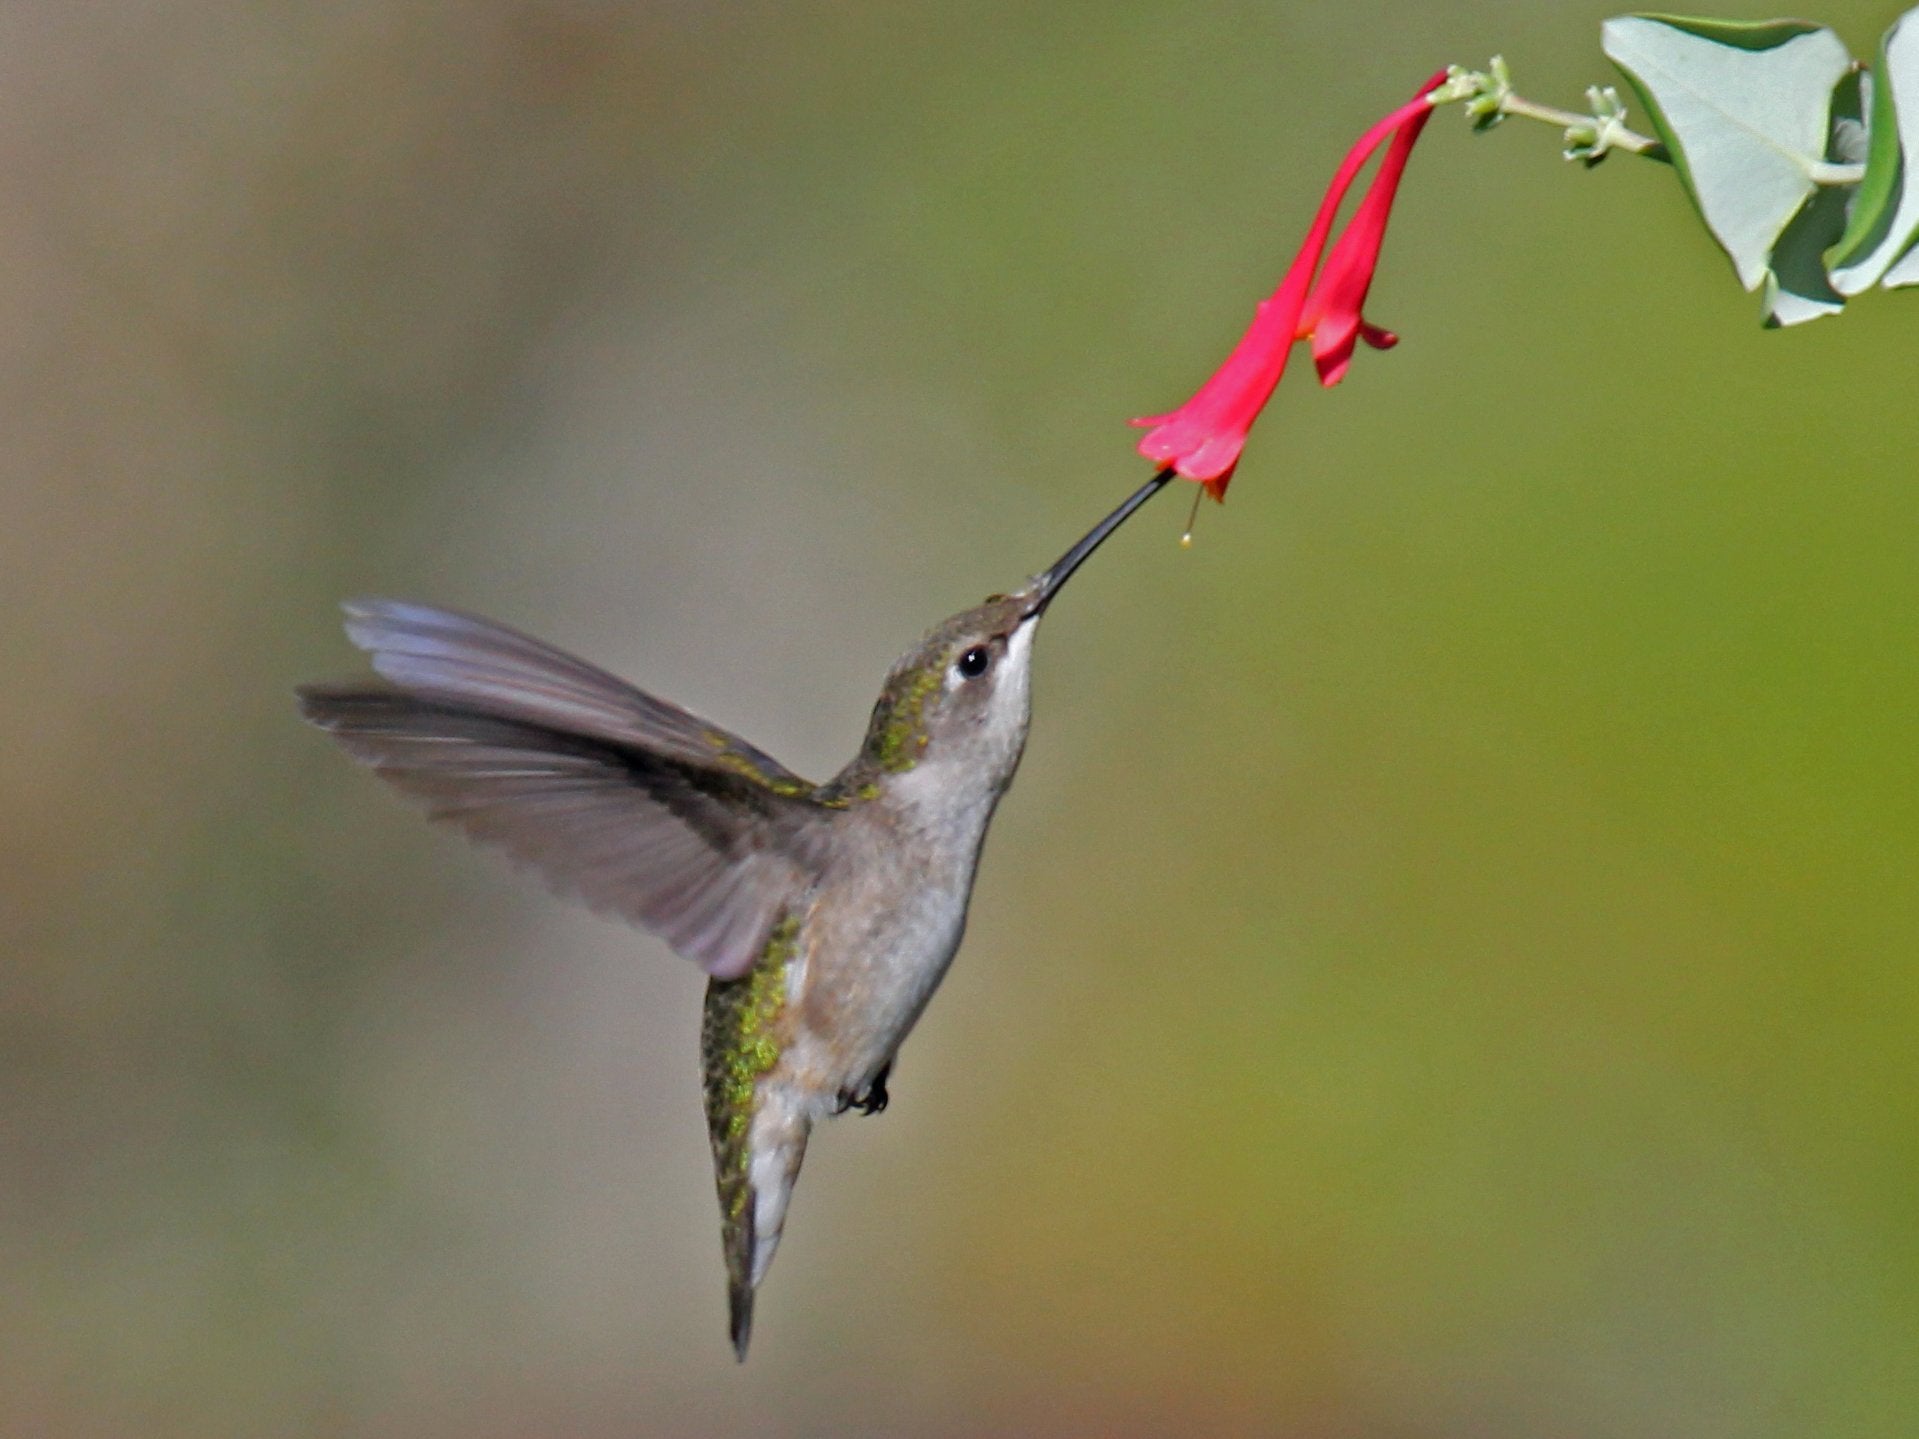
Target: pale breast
879,941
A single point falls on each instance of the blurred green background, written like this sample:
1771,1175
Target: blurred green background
1447,968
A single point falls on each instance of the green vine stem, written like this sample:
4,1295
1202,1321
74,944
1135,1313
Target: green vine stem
1489,98
1590,137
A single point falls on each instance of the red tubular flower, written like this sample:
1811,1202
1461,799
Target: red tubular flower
1332,320
1201,440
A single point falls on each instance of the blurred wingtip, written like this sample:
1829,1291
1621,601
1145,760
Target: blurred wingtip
355,608
315,703
339,707
368,619
375,622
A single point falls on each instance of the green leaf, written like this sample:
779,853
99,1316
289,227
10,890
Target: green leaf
1754,35
1904,271
1885,211
1796,288
1745,112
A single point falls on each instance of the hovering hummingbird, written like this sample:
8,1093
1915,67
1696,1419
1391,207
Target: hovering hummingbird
825,915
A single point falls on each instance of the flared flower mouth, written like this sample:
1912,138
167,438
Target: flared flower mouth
1202,439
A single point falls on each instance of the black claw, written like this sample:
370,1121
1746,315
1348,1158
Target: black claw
874,1100
870,1100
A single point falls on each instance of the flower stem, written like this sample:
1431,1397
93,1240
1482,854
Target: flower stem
1489,99
1828,173
1571,120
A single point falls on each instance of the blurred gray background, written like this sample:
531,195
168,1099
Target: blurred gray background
1447,968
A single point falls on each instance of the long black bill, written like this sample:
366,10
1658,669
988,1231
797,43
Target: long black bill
1050,582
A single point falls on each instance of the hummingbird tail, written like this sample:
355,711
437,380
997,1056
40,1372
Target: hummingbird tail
755,1182
739,1294
757,1118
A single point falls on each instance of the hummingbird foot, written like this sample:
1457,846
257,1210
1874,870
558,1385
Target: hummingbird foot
871,1100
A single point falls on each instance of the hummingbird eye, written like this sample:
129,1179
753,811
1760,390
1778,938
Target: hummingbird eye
973,663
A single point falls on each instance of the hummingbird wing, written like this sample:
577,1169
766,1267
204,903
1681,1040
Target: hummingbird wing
631,804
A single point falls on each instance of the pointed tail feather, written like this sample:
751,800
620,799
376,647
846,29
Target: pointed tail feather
739,1281
755,1181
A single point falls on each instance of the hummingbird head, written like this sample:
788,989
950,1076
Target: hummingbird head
953,715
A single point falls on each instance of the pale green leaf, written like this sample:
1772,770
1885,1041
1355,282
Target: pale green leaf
1885,213
1904,271
1796,288
1745,112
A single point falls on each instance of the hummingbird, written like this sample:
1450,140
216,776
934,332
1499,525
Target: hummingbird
824,915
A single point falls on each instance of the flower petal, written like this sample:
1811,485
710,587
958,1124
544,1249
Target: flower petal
1333,317
1202,439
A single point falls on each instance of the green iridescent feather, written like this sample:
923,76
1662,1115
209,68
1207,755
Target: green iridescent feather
739,1047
